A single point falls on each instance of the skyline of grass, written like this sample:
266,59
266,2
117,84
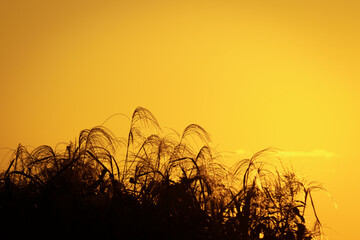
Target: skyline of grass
170,186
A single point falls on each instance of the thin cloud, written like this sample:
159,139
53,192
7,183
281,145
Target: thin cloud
240,151
313,153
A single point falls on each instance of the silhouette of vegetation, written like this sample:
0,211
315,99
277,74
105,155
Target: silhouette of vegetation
148,186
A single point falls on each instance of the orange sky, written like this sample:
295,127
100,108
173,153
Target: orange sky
253,73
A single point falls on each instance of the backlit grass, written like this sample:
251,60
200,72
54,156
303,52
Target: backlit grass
151,186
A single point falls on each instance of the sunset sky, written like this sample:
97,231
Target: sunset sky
254,74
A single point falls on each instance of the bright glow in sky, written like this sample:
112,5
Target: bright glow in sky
255,74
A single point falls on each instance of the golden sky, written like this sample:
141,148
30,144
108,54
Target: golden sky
255,74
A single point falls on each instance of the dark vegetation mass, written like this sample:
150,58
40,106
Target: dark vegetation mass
148,186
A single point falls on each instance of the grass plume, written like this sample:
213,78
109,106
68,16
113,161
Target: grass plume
151,186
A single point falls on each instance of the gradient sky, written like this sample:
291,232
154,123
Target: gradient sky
254,74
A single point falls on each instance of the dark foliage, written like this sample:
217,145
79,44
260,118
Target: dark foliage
149,187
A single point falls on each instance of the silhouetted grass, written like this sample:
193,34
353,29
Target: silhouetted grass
149,186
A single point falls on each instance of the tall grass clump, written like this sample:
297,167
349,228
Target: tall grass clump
150,186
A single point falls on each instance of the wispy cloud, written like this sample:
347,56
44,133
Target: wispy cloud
241,151
313,153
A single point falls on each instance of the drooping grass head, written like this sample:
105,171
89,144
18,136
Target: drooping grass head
158,185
